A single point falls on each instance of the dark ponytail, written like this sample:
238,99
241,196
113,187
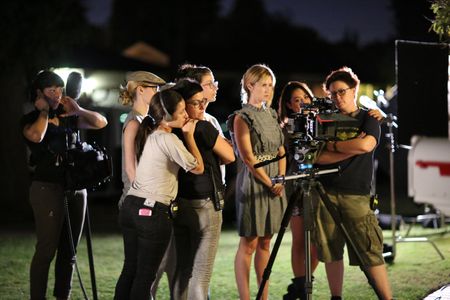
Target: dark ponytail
155,116
147,126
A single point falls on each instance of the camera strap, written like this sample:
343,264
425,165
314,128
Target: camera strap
217,196
269,161
213,180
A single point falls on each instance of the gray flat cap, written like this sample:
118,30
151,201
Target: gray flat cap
143,76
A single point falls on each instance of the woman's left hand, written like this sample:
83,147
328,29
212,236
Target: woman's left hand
71,107
189,126
277,189
375,113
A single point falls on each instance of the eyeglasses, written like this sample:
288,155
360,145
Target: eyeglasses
212,85
154,87
197,103
340,92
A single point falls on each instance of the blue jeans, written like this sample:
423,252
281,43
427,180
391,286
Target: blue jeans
146,236
47,202
197,232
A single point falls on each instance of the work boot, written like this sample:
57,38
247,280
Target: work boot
296,290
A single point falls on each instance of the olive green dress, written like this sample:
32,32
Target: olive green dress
259,212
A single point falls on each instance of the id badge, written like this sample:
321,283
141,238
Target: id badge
145,212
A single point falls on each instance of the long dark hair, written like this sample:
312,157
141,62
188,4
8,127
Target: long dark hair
285,97
156,114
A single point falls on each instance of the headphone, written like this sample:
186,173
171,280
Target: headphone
167,116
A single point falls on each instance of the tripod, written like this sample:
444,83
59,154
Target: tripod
306,185
87,229
392,146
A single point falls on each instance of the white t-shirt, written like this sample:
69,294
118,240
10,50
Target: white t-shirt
156,172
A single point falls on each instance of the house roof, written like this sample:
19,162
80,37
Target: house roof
103,59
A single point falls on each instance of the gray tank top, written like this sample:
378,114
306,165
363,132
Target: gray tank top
132,115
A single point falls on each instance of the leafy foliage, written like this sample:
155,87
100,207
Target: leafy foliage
441,23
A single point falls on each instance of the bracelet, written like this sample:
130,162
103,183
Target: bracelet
335,146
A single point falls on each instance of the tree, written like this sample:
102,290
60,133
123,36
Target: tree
412,20
441,22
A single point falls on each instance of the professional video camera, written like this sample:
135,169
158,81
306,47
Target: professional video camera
313,126
88,166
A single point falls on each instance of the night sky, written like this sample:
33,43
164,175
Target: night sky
371,19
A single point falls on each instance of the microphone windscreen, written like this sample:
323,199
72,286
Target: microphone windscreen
368,103
73,87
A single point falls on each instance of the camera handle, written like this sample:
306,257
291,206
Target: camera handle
306,185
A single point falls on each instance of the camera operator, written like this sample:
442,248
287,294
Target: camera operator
293,96
350,192
47,130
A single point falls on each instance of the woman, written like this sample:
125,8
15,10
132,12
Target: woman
205,77
198,225
139,90
144,217
294,95
259,203
349,192
54,121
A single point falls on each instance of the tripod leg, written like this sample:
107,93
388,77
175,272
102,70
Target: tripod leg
338,221
71,241
276,246
90,256
307,223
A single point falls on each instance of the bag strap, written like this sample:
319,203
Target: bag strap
213,180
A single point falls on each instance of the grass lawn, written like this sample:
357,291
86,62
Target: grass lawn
417,269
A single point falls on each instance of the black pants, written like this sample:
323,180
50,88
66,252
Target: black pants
146,235
47,202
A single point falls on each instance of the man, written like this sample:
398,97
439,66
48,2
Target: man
47,131
350,192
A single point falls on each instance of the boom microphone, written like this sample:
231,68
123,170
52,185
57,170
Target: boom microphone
73,87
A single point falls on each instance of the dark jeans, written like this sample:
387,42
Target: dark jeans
47,202
145,239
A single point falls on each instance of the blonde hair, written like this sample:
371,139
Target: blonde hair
254,74
127,94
